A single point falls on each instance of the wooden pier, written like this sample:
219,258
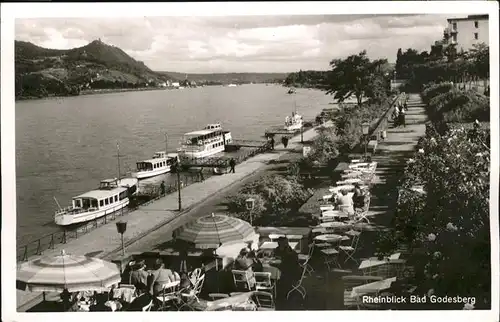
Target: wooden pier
222,161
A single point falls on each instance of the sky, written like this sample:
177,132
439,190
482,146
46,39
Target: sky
240,43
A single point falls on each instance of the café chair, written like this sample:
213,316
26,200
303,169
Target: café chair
263,282
242,279
264,301
148,307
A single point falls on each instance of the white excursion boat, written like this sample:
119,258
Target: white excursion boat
232,85
112,195
159,164
203,143
293,123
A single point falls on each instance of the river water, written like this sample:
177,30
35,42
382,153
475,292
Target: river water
65,146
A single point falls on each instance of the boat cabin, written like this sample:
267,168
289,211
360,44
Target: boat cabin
156,163
214,126
211,134
108,184
99,198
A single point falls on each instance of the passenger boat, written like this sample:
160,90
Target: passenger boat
160,163
232,85
293,123
112,195
203,143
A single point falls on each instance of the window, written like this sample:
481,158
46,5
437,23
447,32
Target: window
454,26
116,198
476,36
106,201
455,38
101,203
476,24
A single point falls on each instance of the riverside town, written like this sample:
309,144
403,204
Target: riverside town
253,168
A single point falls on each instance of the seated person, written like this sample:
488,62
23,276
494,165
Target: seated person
359,197
126,272
100,304
345,202
138,274
256,263
143,299
242,262
160,276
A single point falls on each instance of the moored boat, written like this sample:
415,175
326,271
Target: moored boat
293,123
203,143
160,163
112,195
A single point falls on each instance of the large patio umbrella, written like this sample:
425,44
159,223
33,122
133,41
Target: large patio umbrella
210,232
74,273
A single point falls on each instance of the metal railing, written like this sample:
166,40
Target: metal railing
49,241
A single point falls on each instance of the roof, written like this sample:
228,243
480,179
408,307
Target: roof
157,159
202,132
470,17
101,194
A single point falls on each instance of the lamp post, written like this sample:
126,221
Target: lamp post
121,227
366,129
250,203
177,168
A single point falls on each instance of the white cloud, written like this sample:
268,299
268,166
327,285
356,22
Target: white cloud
252,43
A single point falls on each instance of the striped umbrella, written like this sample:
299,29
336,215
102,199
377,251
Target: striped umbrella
214,230
74,273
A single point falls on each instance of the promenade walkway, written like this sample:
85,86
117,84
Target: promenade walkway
104,241
325,290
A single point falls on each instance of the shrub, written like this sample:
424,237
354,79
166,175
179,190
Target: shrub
451,219
237,206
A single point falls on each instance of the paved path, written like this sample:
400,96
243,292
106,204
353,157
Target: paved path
146,224
325,291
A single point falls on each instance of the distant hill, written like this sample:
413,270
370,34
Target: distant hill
42,72
228,78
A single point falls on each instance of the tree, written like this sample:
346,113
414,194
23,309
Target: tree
353,76
480,55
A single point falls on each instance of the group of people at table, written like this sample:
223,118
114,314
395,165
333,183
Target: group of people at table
284,258
141,287
351,193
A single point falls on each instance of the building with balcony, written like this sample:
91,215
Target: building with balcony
465,32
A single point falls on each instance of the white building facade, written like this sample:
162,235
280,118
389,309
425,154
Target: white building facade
465,32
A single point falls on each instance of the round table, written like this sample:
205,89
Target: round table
329,238
334,224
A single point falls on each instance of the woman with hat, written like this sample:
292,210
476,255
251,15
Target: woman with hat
139,274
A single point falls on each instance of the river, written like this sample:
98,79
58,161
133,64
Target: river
65,146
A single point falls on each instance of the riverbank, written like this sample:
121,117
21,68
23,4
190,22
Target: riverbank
97,91
104,242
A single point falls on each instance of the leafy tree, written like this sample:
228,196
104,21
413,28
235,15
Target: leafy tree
480,55
353,76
